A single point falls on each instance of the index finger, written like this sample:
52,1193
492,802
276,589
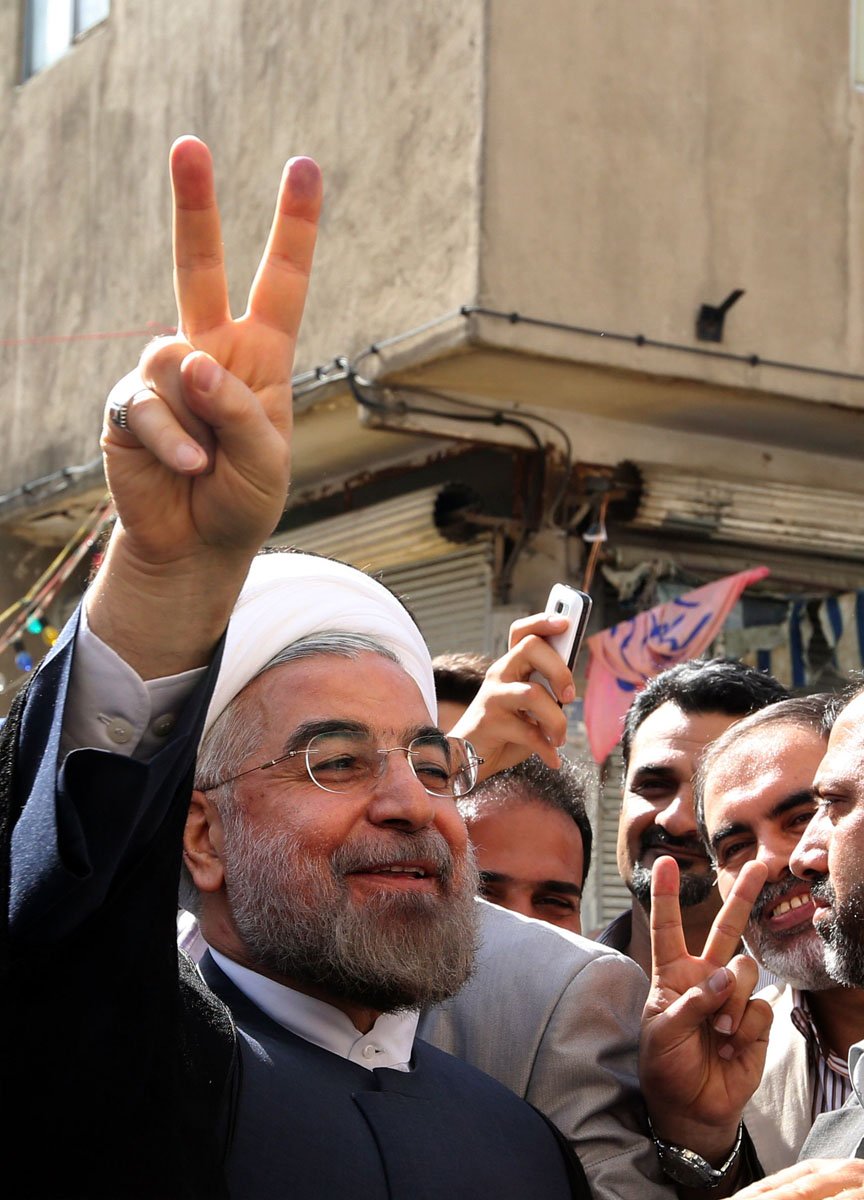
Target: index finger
199,267
278,292
731,921
538,624
667,932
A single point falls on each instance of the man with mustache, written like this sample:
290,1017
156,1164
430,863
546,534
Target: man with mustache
699,1009
669,724
754,798
318,825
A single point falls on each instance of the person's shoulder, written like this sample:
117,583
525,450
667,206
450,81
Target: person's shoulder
491,1123
502,926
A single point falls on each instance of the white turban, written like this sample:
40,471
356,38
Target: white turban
290,596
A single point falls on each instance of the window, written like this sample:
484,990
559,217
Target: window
858,43
51,26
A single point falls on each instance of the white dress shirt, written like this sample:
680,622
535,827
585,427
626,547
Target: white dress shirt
387,1044
109,706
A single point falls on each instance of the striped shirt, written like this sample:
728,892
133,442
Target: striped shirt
829,1071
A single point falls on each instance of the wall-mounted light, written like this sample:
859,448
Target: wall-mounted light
710,318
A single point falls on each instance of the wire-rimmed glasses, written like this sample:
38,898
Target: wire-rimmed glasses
348,761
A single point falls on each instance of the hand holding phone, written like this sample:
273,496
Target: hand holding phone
575,606
507,721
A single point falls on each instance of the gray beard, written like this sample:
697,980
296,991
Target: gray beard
801,964
798,958
692,889
298,921
842,934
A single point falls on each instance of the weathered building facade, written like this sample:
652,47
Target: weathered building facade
527,208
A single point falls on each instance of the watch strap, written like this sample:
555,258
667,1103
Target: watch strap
691,1169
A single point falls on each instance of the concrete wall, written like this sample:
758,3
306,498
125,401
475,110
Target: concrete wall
643,158
635,160
386,96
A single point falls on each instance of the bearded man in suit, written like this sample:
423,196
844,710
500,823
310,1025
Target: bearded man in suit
322,838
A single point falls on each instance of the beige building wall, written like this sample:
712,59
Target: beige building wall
644,158
387,96
611,165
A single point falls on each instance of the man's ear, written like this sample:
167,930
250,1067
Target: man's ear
203,840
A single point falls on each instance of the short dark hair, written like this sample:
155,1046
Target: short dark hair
713,685
458,677
531,780
851,691
816,712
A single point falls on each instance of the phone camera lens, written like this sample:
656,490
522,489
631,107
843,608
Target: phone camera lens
559,607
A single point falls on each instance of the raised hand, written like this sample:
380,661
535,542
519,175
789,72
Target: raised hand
206,456
199,462
511,716
703,1043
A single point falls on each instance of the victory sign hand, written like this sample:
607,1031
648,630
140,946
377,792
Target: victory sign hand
197,440
703,1043
204,458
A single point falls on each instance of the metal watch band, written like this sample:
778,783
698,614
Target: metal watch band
691,1169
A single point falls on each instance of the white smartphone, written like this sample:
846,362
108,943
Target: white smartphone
566,602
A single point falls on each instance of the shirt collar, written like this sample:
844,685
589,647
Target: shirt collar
388,1043
856,1063
802,1019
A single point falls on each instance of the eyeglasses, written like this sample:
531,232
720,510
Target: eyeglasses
351,762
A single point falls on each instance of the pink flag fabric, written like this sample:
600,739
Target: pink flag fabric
626,656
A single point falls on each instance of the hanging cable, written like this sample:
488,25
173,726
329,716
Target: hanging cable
43,592
535,418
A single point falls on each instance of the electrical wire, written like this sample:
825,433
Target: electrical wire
497,417
460,401
640,339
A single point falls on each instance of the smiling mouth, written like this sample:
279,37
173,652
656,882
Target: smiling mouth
793,902
791,912
405,874
398,869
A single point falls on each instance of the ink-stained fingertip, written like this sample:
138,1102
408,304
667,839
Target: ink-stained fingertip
304,176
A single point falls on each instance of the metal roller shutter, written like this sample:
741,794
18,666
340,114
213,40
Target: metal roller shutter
447,588
778,515
613,895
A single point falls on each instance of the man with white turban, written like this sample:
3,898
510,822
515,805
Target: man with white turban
330,868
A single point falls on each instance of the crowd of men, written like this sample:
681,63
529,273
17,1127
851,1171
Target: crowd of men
362,1022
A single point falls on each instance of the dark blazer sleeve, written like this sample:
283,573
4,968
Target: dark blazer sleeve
81,830
96,1045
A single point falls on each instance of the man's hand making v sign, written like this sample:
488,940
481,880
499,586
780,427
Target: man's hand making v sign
703,1043
197,440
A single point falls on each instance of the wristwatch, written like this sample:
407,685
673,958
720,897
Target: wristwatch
691,1169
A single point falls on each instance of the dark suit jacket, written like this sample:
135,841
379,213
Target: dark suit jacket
304,1117
130,1072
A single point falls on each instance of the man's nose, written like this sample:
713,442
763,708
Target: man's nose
398,798
678,817
776,859
810,856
